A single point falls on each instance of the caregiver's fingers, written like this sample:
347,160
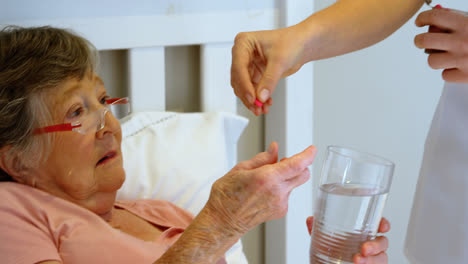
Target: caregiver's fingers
241,79
442,18
293,166
441,41
266,105
261,159
381,258
455,76
256,74
272,74
265,108
384,225
447,60
374,247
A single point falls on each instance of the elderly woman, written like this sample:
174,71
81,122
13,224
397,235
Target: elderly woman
61,166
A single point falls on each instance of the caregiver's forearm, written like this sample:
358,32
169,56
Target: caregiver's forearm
350,25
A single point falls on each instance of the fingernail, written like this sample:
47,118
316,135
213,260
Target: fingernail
369,250
438,7
264,94
249,98
360,259
270,149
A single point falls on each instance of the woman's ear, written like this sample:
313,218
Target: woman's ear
11,164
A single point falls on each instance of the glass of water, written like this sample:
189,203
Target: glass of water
353,189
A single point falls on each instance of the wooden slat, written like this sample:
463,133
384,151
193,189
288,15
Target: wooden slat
146,77
290,123
216,91
124,32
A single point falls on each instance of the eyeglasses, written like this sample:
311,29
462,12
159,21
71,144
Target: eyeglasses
91,122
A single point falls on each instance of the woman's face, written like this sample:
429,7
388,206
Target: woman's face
84,169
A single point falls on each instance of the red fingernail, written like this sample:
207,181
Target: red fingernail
258,103
438,7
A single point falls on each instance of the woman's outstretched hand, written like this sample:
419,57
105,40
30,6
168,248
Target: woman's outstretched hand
253,192
257,190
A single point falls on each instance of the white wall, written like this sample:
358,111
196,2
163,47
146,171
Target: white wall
32,9
380,100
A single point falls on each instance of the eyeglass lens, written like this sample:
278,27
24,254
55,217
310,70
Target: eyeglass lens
96,121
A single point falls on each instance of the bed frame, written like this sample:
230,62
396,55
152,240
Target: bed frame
290,120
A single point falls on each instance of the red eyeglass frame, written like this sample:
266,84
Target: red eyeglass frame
71,126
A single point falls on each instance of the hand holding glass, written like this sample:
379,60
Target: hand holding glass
353,190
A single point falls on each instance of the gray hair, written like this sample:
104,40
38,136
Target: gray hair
32,62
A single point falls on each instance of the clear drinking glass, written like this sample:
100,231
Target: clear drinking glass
353,189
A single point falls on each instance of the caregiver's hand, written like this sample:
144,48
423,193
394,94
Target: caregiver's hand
257,190
260,59
451,38
372,252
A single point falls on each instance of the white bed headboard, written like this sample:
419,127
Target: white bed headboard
144,30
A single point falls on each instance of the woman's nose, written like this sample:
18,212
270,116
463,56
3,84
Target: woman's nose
109,123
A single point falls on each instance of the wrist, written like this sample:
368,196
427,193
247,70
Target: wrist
205,240
222,220
307,35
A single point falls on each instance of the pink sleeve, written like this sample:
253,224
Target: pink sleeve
24,236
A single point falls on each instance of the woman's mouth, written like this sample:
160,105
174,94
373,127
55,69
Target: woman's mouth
106,158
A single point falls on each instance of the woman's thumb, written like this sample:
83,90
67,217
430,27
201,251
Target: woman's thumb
268,82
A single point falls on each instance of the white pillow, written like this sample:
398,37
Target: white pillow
178,156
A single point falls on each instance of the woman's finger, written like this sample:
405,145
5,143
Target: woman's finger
270,77
455,76
295,165
266,108
242,85
261,159
374,247
441,18
300,179
240,76
384,225
444,60
438,41
381,258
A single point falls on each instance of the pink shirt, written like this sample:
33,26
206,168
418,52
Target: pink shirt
36,226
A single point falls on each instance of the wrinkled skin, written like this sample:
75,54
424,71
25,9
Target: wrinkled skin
257,190
448,35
